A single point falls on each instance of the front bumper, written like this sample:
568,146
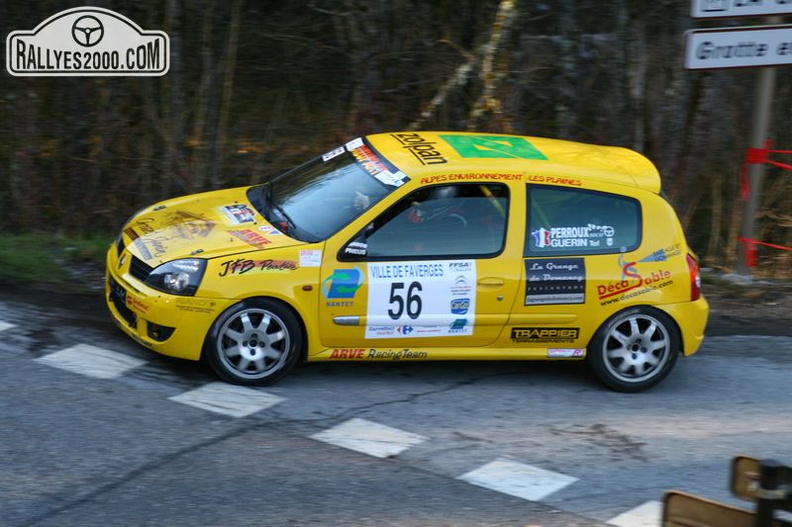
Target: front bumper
168,324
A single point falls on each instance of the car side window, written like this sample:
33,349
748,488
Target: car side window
570,221
439,221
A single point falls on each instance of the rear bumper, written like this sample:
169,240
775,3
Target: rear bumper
691,317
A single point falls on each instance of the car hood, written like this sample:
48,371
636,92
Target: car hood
204,225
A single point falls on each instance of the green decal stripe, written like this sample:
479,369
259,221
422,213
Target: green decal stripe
493,146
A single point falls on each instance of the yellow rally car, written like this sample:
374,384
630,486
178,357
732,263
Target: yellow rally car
419,246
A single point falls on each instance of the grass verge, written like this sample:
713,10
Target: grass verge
39,259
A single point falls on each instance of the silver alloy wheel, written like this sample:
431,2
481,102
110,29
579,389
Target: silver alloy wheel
637,348
253,343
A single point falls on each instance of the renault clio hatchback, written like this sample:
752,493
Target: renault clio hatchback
419,246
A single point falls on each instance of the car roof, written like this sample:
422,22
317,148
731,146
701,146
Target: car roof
424,153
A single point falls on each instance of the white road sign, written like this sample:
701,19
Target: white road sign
746,47
737,8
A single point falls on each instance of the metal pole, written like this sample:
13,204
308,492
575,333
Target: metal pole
763,103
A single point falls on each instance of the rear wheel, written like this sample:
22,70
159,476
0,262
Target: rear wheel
256,341
635,349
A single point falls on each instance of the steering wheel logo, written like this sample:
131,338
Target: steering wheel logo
87,31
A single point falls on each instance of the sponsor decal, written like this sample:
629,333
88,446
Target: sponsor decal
424,151
270,230
375,165
415,299
476,176
555,180
143,225
370,162
137,305
394,179
461,286
87,41
189,266
182,224
566,353
151,246
555,281
239,213
463,267
242,266
661,255
381,331
151,242
142,249
339,303
493,146
189,225
311,258
356,248
532,335
391,354
333,153
196,305
633,283
345,353
130,232
460,306
251,237
354,143
458,325
406,270
343,283
590,235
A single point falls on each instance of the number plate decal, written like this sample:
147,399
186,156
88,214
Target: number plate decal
421,299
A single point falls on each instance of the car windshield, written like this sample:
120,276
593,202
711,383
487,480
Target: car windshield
315,200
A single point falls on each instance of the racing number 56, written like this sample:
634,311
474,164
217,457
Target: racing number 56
411,300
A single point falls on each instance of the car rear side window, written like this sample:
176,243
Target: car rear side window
566,221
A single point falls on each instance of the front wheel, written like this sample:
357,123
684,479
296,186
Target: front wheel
254,342
635,349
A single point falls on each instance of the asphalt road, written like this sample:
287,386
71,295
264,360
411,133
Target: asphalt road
362,444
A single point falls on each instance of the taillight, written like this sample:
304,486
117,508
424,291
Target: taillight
695,278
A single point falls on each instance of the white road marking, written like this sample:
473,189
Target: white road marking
648,514
228,399
5,325
518,479
91,361
369,438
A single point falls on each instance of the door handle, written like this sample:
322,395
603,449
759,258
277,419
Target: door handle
491,282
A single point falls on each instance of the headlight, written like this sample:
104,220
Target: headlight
179,277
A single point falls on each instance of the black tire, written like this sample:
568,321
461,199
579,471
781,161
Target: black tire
634,350
254,342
